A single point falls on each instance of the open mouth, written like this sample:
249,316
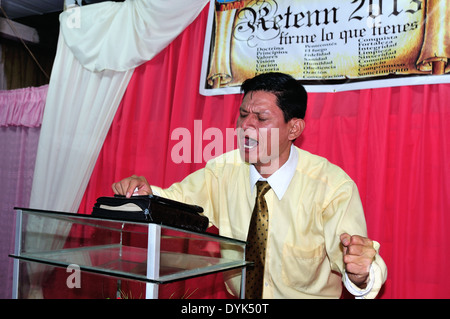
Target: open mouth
250,143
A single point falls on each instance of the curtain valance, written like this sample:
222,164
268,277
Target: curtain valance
23,107
119,36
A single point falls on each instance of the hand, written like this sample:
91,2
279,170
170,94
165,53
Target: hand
358,256
128,186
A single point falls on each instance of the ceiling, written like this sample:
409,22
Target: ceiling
24,8
43,15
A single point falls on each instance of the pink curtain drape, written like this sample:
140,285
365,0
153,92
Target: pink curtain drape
20,120
394,142
23,107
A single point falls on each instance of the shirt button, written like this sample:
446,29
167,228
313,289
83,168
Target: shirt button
266,284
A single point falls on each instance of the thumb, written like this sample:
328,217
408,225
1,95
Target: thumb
140,189
144,190
345,239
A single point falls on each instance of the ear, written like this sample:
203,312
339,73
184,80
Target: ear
296,128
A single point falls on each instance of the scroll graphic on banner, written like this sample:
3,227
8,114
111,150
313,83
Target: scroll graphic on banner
328,45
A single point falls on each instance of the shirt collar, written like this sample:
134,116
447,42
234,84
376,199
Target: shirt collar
280,180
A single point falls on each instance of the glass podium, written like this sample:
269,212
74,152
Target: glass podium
66,255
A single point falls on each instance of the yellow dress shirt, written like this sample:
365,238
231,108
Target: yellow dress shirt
311,203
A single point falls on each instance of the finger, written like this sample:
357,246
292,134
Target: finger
354,259
359,240
143,191
362,250
131,187
357,264
356,250
138,186
113,186
118,188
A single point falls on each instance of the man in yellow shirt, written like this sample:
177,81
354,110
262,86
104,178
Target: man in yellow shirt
316,236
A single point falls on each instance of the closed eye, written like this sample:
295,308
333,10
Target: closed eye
243,113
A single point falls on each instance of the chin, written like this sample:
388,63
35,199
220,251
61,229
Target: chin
249,156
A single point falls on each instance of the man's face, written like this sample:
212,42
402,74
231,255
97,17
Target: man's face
264,138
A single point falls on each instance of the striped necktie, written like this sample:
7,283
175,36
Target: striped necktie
256,243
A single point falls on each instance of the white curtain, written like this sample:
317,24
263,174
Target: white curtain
121,36
79,110
98,49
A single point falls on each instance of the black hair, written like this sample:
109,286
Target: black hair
291,95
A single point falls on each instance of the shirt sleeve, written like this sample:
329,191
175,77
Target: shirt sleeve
195,189
355,290
344,214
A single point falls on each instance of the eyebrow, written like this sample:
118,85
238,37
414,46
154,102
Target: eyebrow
242,109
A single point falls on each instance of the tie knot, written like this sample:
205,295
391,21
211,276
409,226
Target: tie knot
262,187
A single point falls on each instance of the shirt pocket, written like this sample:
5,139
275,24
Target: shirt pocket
300,267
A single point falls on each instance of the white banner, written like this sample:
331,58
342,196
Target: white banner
328,45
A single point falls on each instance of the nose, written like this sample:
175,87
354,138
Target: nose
247,122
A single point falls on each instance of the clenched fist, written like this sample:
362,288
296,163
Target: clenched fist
358,256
